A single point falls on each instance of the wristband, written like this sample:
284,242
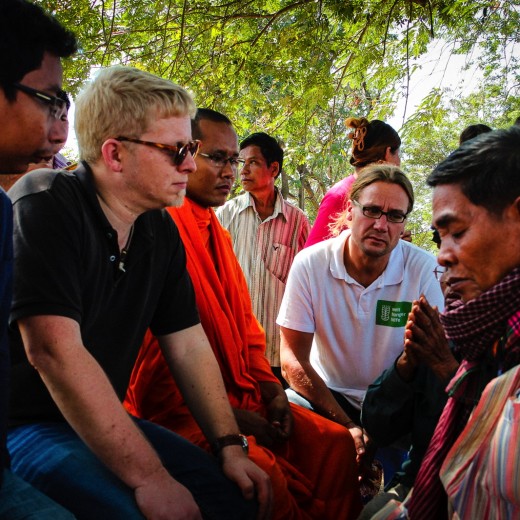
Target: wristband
230,440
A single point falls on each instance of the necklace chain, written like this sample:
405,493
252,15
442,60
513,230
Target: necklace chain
124,251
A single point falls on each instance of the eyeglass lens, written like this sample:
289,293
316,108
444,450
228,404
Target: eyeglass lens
57,106
179,156
221,160
396,217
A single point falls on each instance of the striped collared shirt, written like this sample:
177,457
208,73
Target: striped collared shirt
265,251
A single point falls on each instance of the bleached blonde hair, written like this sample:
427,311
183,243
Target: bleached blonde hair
124,101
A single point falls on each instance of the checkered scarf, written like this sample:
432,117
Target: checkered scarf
492,319
476,325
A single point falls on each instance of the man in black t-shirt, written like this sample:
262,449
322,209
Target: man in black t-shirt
99,263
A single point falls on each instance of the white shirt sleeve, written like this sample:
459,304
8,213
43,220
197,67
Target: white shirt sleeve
296,311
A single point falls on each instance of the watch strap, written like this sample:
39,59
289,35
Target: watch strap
229,440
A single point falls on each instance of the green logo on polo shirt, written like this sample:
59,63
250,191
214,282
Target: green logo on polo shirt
392,314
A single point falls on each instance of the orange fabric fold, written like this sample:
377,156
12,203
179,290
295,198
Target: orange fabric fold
314,474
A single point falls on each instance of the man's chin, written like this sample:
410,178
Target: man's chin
178,200
41,163
376,252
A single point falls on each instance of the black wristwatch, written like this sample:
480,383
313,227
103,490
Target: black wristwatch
230,440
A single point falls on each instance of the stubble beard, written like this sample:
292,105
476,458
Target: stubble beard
376,253
178,200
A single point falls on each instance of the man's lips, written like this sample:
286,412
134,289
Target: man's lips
38,160
456,283
224,187
377,239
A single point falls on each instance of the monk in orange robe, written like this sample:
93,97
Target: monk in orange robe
311,460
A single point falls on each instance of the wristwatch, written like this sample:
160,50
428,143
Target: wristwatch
230,440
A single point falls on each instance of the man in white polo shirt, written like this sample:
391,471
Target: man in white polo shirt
347,301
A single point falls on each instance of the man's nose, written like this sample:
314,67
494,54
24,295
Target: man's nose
229,171
381,223
59,132
446,256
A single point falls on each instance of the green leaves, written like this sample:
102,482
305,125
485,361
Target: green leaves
298,68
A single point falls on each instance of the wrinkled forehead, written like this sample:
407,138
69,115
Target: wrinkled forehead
388,194
449,205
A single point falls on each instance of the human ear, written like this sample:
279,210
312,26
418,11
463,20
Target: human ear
349,210
514,210
111,153
275,169
392,157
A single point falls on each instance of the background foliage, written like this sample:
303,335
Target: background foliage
298,68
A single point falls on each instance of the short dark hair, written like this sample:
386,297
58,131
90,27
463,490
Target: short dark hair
26,33
486,167
472,131
206,114
269,146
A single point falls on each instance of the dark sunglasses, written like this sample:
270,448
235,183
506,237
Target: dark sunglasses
177,154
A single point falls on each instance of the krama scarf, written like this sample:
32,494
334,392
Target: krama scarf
486,332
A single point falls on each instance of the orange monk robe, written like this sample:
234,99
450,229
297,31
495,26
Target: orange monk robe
314,473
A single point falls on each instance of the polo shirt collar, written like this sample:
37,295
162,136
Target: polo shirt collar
86,179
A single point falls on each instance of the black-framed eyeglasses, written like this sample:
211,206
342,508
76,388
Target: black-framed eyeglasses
439,271
221,160
395,217
176,153
57,105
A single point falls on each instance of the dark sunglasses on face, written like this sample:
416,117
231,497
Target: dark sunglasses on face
176,153
57,105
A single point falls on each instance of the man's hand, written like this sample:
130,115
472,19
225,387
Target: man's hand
253,481
361,442
278,408
252,423
161,497
365,451
407,363
426,342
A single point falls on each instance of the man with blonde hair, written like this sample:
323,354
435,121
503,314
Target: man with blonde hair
280,435
99,263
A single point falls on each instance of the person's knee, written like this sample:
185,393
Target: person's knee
296,398
21,501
